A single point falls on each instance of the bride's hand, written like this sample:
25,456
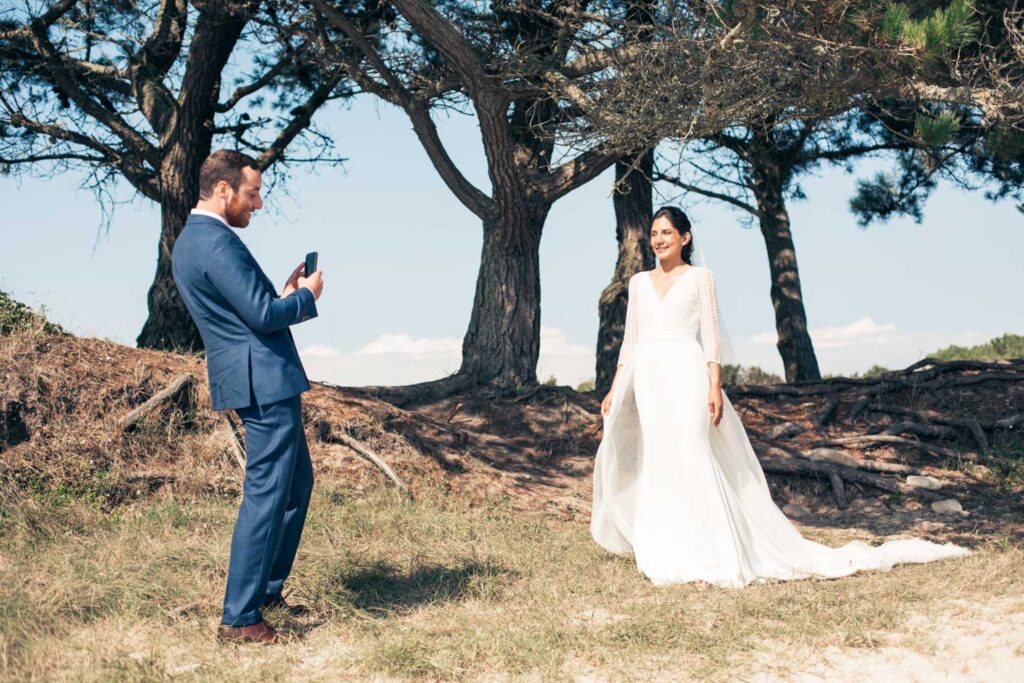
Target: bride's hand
606,404
715,404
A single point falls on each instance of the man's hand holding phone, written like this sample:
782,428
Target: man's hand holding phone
313,283
312,278
298,279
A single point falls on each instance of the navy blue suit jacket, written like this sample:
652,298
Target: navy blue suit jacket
243,323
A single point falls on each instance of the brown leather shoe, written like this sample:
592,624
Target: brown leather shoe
288,608
261,632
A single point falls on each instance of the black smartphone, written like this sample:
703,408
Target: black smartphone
310,263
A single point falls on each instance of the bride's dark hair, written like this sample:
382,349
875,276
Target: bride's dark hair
681,223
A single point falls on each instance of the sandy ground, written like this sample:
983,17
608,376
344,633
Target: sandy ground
969,642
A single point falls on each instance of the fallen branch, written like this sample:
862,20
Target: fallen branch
838,490
783,430
156,477
346,440
859,407
922,429
798,466
871,439
972,424
919,374
238,450
871,465
170,392
1009,422
979,434
826,415
528,394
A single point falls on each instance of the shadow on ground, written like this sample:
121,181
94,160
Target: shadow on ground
383,590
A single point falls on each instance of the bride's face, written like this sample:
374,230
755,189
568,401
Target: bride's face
666,241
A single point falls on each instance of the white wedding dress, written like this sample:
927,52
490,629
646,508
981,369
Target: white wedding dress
687,499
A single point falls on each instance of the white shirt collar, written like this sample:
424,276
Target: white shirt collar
211,214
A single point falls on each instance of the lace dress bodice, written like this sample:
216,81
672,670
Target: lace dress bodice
689,309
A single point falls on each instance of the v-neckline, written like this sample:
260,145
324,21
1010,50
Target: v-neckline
659,298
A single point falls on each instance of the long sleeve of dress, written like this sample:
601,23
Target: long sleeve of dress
631,330
707,300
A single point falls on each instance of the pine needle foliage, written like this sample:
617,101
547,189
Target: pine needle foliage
935,131
948,28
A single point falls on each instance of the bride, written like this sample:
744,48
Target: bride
676,482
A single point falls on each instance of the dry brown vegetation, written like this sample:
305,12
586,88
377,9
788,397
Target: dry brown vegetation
113,540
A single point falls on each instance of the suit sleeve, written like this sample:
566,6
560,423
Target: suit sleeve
236,276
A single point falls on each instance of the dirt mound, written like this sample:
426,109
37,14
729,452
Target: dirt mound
836,447
68,427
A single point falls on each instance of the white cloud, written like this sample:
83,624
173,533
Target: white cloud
407,345
400,358
856,346
319,351
554,342
863,331
568,362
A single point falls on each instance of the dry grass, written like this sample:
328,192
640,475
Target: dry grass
113,545
428,590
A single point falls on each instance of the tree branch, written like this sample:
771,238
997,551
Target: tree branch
67,81
845,153
474,200
672,180
109,76
303,114
576,172
592,62
150,65
56,11
163,46
398,92
57,156
448,41
134,171
263,81
216,33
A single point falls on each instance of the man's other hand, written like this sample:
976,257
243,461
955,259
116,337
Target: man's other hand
293,280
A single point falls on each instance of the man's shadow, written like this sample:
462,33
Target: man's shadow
383,590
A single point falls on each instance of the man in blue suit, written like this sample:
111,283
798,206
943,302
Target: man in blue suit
255,370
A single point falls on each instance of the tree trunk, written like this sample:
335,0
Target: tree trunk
169,325
794,343
187,144
502,343
633,209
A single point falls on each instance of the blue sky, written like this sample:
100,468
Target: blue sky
400,257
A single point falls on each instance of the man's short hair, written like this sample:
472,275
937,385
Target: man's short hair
226,165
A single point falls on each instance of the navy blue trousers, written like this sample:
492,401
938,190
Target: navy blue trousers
275,497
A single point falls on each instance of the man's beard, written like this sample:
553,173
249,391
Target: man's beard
236,215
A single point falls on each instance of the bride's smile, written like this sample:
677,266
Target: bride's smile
667,243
